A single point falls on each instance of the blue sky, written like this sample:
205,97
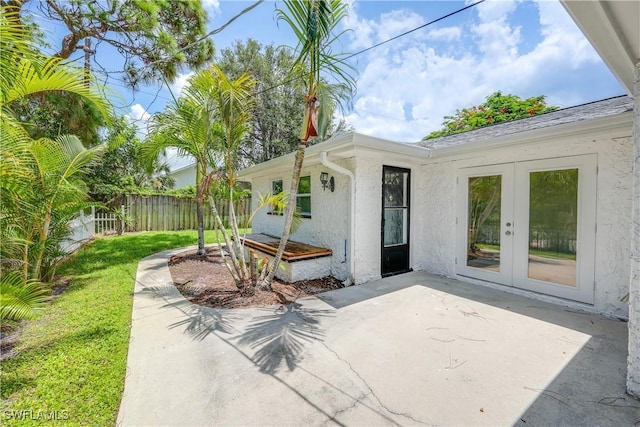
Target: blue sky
405,87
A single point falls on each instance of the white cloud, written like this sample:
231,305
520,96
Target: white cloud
559,30
180,82
445,34
211,6
138,113
493,10
139,117
408,86
366,32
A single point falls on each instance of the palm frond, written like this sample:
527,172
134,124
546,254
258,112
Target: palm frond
315,23
20,299
53,76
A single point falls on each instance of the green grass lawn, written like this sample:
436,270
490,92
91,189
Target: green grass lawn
72,359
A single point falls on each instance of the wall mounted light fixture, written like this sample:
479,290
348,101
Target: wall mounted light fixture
327,182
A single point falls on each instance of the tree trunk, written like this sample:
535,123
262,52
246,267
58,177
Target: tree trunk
254,268
200,218
237,243
288,220
240,277
42,242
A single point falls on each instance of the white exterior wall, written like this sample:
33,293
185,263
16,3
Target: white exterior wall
296,271
369,212
328,226
633,370
368,255
434,208
184,177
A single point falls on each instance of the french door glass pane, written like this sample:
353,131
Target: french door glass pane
483,238
553,225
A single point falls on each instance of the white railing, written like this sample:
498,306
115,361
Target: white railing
108,222
83,227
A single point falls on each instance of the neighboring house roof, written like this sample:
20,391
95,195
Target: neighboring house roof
593,110
184,167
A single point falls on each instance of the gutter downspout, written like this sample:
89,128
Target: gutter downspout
352,217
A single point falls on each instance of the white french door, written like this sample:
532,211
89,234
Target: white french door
530,225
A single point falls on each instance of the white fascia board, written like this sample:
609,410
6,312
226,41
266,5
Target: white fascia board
620,124
342,146
605,34
285,162
181,168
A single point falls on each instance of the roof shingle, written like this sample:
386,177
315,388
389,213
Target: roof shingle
593,110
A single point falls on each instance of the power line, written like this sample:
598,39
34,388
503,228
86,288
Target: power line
202,38
415,29
288,81
360,52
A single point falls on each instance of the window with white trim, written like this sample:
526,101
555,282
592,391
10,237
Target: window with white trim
276,188
303,201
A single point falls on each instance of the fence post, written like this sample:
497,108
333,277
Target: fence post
122,218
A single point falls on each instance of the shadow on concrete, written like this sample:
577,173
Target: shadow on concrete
557,314
553,313
589,391
198,321
344,297
281,334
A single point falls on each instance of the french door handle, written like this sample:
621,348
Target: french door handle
507,233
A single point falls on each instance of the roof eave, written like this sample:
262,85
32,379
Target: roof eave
342,146
602,26
619,123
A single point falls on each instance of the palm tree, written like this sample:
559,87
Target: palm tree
314,23
37,187
191,126
58,192
234,101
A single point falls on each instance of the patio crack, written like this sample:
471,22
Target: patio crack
370,393
347,409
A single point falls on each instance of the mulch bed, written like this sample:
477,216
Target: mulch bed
205,280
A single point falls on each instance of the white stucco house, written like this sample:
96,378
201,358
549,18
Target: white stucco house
613,28
547,206
184,176
397,207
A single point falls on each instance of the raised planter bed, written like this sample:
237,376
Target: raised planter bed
300,261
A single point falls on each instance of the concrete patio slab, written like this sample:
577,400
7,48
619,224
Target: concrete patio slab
413,349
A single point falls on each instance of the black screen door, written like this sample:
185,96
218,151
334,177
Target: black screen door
395,220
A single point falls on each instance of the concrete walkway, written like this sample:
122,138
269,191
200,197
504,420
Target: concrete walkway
408,350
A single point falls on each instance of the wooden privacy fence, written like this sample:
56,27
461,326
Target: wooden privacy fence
169,213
